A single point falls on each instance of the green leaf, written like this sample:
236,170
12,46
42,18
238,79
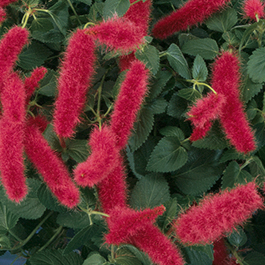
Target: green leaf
254,258
234,175
252,109
199,69
49,200
167,156
55,257
223,21
158,105
142,128
172,131
170,213
200,172
94,259
48,84
256,65
88,2
206,48
177,107
197,257
78,150
231,154
8,220
259,130
189,94
34,55
113,7
76,220
238,238
250,89
30,207
177,61
150,191
257,169
126,257
150,56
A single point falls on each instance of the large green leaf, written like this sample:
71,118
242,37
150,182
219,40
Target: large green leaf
78,150
197,257
189,94
48,84
172,131
126,257
177,61
256,65
150,191
55,257
206,48
223,21
200,172
73,219
167,156
112,7
94,258
199,69
177,107
250,89
7,219
254,258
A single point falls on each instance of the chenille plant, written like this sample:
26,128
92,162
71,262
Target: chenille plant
132,132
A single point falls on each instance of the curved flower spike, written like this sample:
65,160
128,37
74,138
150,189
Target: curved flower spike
254,9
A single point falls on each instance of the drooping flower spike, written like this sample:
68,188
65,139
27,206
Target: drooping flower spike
75,77
217,215
4,3
190,14
49,165
12,126
254,9
2,14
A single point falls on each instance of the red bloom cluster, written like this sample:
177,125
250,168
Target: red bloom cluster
218,214
75,77
4,3
254,9
193,12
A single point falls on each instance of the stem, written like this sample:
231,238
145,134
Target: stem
99,213
70,4
51,239
15,260
202,84
235,254
135,2
112,253
246,163
15,236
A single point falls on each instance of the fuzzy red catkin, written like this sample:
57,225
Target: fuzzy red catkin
226,81
191,13
2,14
10,46
32,82
200,132
112,190
253,8
12,137
218,214
4,3
130,98
75,76
119,34
103,158
50,166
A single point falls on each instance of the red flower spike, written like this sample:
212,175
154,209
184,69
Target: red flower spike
4,3
2,15
206,109
253,8
159,248
130,98
102,160
32,82
218,214
11,138
226,80
193,12
10,46
124,223
75,77
112,190
39,122
200,132
50,166
125,61
118,34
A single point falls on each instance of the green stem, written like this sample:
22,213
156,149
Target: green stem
202,84
51,239
235,254
15,236
135,2
70,4
112,253
15,260
99,213
248,161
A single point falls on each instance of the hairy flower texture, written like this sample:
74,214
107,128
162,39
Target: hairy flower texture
75,77
200,132
253,9
4,3
159,248
130,98
12,137
191,13
102,160
32,82
226,80
220,252
2,14
118,34
10,46
218,214
112,190
50,166
206,109
123,223
125,61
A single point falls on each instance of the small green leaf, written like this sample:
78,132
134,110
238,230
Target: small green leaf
150,56
94,258
55,257
238,238
177,107
223,21
150,191
7,219
112,7
78,150
189,94
206,48
48,84
167,156
177,61
158,105
256,65
172,131
197,257
199,69
250,89
126,257
231,154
